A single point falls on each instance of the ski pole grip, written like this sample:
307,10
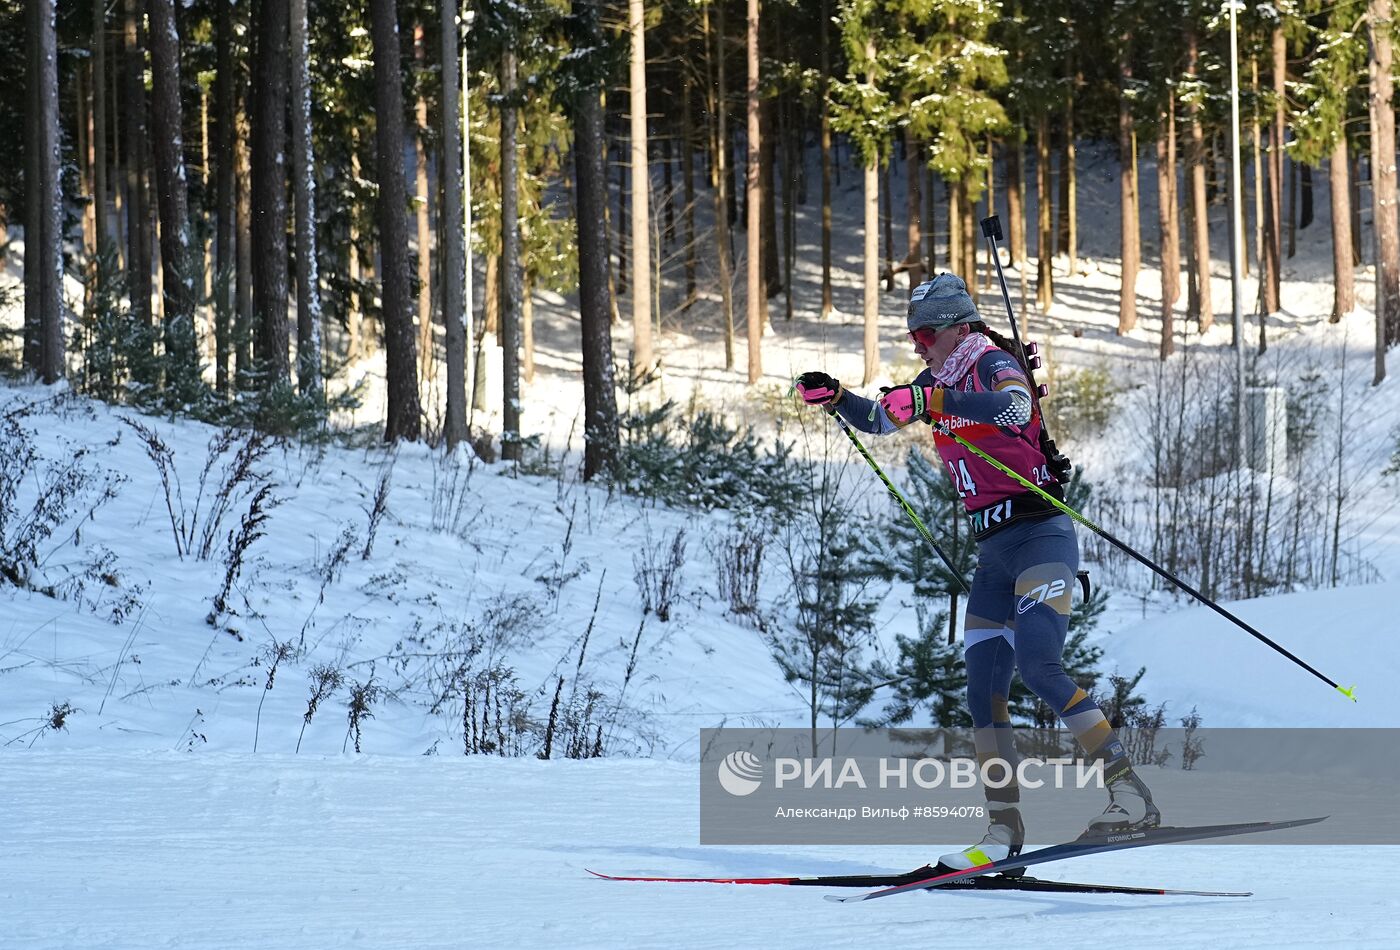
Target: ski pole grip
991,227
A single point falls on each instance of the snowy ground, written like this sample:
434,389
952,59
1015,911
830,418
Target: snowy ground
147,819
162,849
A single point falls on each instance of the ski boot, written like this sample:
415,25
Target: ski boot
1130,807
1005,836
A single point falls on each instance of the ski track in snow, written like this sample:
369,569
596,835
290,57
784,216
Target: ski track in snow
226,850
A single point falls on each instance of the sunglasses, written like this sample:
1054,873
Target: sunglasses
924,335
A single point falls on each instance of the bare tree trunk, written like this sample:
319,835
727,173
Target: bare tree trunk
969,243
1045,277
688,174
420,207
206,250
116,93
177,257
643,359
99,123
1292,205
304,190
225,242
1014,150
1259,188
623,268
33,185
1305,213
914,200
955,229
392,211
1383,186
43,252
1280,50
452,259
599,393
887,222
930,222
1357,253
243,278
354,319
511,290
138,255
719,171
668,191
1204,311
789,173
1128,197
1166,220
85,174
1062,202
772,268
991,208
270,193
1072,174
1174,204
1343,279
1273,205
527,328
870,301
756,304
826,157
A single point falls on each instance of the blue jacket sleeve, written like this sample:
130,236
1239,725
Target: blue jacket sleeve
866,414
1007,399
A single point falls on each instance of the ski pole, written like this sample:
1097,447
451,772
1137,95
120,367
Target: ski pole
908,510
1348,691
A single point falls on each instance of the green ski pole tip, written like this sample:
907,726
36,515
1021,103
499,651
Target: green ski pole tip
1348,691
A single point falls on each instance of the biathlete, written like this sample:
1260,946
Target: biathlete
1027,554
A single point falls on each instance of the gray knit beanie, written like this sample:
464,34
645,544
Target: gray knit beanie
941,302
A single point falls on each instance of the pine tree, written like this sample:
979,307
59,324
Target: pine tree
1328,98
269,192
832,614
600,429
1200,304
308,279
642,358
945,68
866,112
43,256
400,370
1380,25
176,252
1130,231
454,307
756,300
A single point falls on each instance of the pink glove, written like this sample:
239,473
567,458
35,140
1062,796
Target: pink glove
818,389
910,403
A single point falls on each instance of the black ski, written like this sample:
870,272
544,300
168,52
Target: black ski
992,882
1080,848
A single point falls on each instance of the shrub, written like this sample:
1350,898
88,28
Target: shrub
64,495
1084,400
704,462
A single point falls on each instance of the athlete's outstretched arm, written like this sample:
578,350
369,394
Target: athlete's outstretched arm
1005,399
